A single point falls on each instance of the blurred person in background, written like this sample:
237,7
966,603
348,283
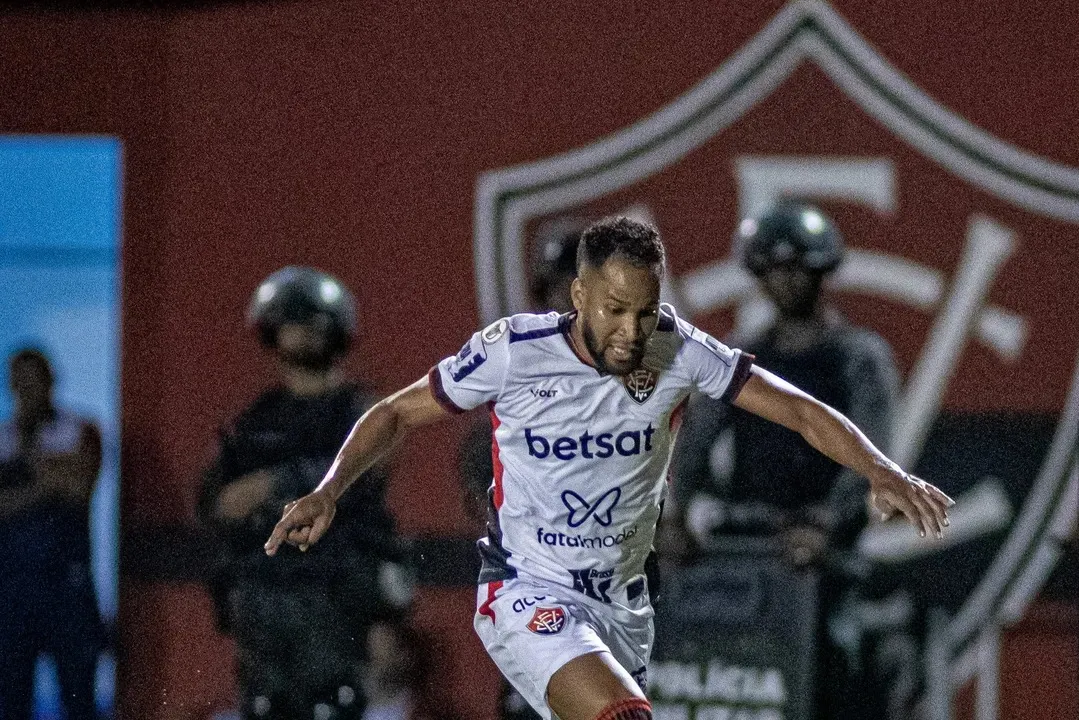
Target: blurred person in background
738,473
554,266
49,465
301,625
401,685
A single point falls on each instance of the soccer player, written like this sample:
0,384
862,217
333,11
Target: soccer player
585,409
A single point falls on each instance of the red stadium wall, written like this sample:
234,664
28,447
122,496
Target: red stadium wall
1039,666
349,136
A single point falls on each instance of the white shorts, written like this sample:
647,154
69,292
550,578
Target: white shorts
532,629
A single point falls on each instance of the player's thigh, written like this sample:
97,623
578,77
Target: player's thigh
589,684
531,632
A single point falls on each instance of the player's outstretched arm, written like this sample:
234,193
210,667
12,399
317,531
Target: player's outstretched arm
306,520
831,433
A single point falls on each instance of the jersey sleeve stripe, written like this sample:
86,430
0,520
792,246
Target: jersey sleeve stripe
534,334
434,377
741,375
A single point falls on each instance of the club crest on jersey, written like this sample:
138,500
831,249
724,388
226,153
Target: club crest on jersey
547,621
640,384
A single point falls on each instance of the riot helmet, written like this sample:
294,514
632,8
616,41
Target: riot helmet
554,263
789,233
303,295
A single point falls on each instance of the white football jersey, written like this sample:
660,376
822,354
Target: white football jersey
580,457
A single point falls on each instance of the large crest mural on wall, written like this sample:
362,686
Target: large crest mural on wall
962,253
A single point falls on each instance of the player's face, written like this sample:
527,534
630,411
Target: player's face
617,309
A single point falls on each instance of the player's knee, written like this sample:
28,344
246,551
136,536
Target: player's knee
632,709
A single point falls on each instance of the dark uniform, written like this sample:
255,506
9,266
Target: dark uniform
852,370
300,620
775,480
47,601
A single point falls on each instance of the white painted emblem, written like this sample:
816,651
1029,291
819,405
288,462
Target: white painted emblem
810,31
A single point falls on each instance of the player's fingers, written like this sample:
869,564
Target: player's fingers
910,510
925,514
299,536
931,524
278,536
936,500
936,506
939,496
322,522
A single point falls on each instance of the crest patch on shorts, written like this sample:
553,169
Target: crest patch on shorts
547,621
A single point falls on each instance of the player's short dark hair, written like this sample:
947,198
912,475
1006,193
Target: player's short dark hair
32,356
635,242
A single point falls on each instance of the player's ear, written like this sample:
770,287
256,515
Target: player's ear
577,293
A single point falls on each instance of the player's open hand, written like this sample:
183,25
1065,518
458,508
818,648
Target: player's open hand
303,522
924,505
